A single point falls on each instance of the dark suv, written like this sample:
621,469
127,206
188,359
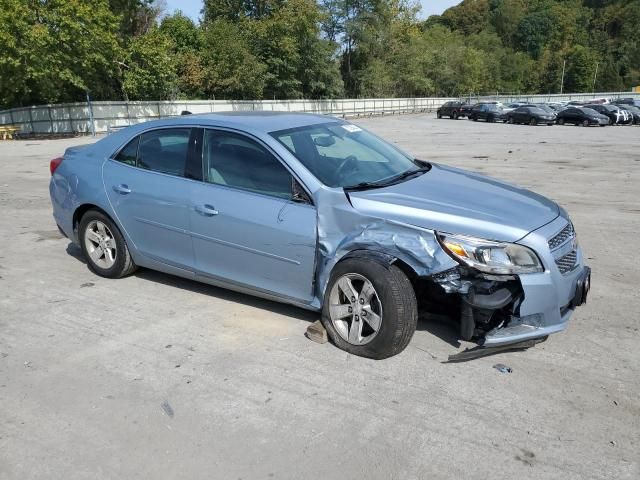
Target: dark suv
453,110
489,112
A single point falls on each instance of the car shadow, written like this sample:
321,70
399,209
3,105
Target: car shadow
210,290
440,326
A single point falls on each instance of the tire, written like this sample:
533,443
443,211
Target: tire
561,121
585,123
533,122
455,115
511,121
439,115
393,300
474,118
107,256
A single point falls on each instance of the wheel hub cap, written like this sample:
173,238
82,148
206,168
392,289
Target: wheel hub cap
100,244
355,309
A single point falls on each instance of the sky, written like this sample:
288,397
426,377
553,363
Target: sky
192,8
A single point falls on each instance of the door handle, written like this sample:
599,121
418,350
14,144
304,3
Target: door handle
122,189
206,210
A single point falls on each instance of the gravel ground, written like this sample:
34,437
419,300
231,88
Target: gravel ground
157,377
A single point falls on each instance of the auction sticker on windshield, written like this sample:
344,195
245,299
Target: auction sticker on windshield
351,128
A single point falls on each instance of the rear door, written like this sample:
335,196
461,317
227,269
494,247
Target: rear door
147,187
246,227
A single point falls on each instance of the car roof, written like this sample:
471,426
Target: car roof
259,123
254,121
263,121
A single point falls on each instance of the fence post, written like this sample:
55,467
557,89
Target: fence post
31,119
50,119
69,118
92,123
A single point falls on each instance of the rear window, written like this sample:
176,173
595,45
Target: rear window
129,153
165,150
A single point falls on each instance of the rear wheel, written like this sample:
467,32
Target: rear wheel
533,122
103,246
561,121
370,309
585,123
510,120
439,115
455,115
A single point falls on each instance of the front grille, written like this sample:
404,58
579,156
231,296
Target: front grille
568,262
566,233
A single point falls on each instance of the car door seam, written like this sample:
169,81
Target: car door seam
246,249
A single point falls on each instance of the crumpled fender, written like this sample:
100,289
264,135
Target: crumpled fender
343,231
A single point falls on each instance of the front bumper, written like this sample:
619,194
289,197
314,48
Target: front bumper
550,297
535,325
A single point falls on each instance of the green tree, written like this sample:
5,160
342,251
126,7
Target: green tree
56,50
150,72
187,41
136,16
230,69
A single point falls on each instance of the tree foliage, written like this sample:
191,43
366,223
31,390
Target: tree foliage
57,50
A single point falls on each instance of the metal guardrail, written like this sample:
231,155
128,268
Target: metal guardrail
108,116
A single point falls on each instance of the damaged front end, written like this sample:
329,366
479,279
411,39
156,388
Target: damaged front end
504,293
484,303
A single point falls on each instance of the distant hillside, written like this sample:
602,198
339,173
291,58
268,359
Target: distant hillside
587,34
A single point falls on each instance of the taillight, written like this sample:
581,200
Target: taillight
54,164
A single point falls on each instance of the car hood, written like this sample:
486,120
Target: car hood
457,201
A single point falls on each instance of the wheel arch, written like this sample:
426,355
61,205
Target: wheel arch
79,212
383,258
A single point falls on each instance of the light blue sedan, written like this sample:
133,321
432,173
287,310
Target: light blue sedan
319,213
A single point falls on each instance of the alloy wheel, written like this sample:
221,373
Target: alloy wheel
100,244
355,309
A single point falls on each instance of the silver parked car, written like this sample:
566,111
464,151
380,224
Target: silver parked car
319,213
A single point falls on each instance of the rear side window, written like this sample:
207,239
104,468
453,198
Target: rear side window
129,153
237,161
164,151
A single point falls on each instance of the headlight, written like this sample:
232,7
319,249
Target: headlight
489,256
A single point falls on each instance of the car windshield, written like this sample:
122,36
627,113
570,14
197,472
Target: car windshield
344,155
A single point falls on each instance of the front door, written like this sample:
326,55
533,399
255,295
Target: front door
246,227
146,187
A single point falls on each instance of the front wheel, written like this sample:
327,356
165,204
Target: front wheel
533,122
585,123
103,246
369,309
455,115
561,121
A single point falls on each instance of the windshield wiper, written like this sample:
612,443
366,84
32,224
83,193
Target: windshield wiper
388,181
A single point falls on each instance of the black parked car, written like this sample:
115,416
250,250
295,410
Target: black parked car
453,110
489,112
634,112
531,115
616,115
635,102
582,116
